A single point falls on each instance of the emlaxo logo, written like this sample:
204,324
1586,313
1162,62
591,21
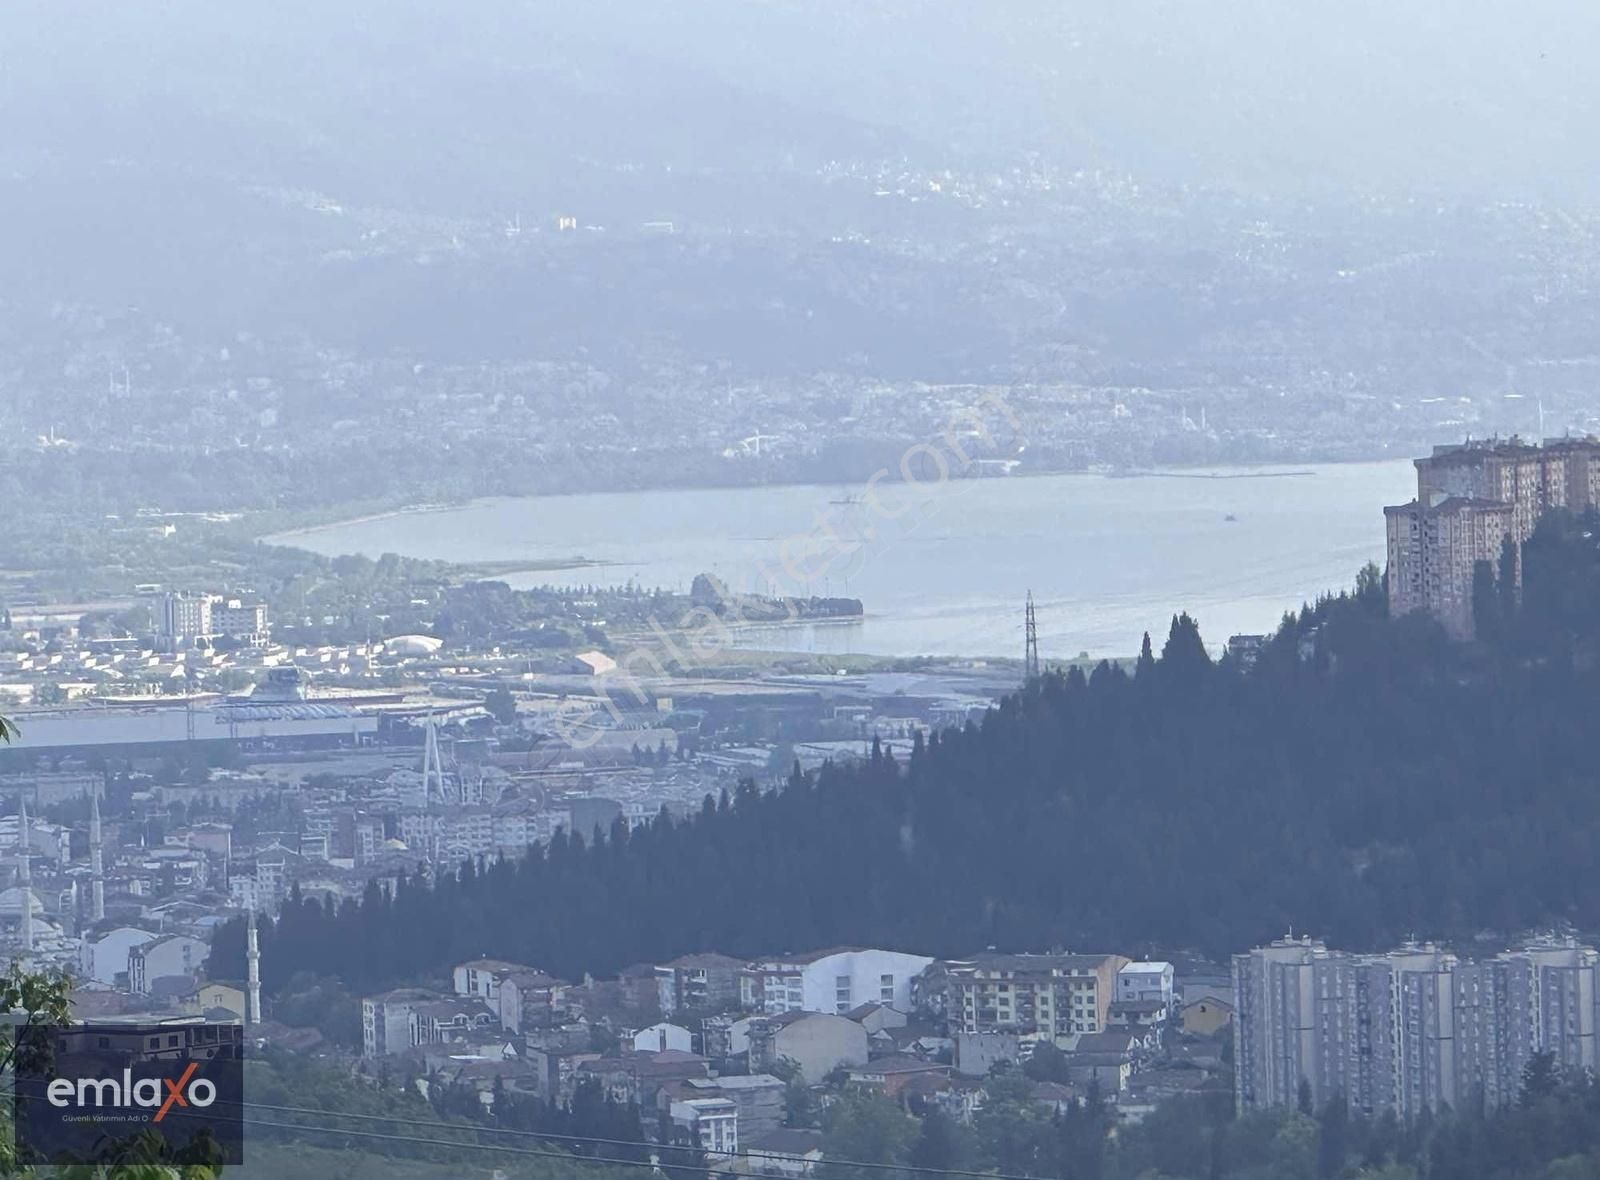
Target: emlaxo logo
127,1092
167,1092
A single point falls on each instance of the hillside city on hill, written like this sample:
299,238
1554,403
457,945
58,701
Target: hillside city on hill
150,809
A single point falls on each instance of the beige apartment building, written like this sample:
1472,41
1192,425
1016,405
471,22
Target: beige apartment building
1037,997
1471,498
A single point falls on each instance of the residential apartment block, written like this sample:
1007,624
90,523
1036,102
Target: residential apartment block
711,1124
835,980
1145,982
1410,1030
758,1098
700,983
1471,498
386,1020
531,999
816,1042
244,621
169,956
482,978
183,620
452,1018
1037,997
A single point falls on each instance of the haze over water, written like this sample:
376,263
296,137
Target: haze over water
1106,559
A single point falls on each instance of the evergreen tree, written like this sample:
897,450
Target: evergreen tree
502,706
1333,1140
1184,659
1541,1077
865,1128
1488,622
942,1144
1147,660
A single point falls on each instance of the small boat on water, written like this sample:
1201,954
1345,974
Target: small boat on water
1230,518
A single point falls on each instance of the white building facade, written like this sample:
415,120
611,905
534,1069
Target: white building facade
166,957
1139,983
710,1123
103,958
663,1037
833,981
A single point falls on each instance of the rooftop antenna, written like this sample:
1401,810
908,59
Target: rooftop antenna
1030,651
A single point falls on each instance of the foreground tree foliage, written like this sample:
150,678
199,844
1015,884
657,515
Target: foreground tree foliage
1553,1133
296,1103
32,1002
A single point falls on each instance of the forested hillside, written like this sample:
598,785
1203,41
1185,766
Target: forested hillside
1366,780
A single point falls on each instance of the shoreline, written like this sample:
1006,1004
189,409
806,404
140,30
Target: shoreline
1205,471
1200,474
365,518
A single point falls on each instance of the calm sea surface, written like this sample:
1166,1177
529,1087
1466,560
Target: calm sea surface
943,569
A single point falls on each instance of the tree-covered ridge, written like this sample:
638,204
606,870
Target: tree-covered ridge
1367,780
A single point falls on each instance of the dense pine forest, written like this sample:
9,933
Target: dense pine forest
1368,779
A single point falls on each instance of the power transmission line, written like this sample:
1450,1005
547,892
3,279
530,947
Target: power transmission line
555,1137
458,1144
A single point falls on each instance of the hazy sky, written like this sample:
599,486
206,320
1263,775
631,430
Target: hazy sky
1475,96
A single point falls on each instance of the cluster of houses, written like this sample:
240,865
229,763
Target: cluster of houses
130,924
712,1048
